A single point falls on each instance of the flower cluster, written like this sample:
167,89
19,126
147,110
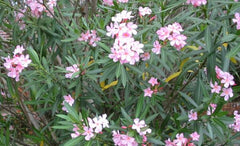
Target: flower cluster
237,20
192,116
144,11
141,128
196,3
96,125
172,32
37,7
123,139
125,49
226,80
90,37
148,92
236,125
68,99
16,64
181,140
71,70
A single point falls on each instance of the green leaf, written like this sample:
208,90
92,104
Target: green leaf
69,39
155,141
233,52
72,112
33,55
125,115
189,99
123,77
104,46
75,141
139,106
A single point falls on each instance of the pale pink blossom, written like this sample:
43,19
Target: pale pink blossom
90,37
236,125
148,92
108,2
68,98
71,70
192,116
88,132
175,28
163,33
122,1
227,93
211,109
180,139
16,64
138,125
153,81
195,136
215,87
156,47
168,142
144,11
227,79
76,131
123,140
124,15
196,3
104,121
145,56
237,20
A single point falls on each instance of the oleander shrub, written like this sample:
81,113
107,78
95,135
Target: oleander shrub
119,72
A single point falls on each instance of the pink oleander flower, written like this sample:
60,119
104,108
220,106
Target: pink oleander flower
19,50
88,132
196,3
145,56
227,79
153,81
175,28
195,136
68,98
108,2
104,121
122,1
138,125
51,3
180,140
163,33
36,7
192,116
148,92
144,11
98,123
123,140
215,88
227,93
177,40
71,70
124,15
236,125
90,37
157,47
211,109
237,20
16,64
76,132
168,142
